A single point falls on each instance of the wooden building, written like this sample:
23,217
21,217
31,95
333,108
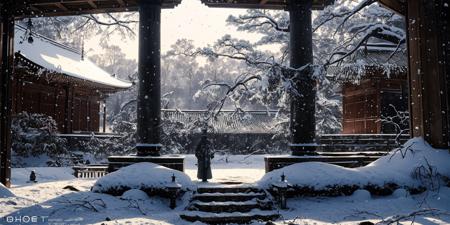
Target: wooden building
374,89
56,80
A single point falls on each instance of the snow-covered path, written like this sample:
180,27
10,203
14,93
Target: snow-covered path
233,168
51,204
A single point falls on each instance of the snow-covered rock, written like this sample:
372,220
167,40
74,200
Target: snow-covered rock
400,193
134,194
361,195
143,176
5,192
411,167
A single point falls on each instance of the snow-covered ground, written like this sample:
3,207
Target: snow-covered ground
50,203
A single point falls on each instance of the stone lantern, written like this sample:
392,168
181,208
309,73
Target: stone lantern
281,188
173,188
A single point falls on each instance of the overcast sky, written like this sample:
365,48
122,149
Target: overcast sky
191,20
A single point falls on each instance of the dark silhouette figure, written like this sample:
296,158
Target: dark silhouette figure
33,176
204,156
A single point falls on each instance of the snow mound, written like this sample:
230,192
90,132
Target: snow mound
361,195
134,194
148,177
400,193
5,192
405,167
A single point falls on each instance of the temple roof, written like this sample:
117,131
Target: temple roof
53,56
377,59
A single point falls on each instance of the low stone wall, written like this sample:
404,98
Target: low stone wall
227,143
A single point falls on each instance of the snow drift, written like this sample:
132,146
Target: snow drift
148,177
416,166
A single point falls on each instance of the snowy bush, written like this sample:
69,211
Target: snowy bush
36,134
407,167
123,124
148,177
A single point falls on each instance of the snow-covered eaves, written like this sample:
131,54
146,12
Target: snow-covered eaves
375,60
55,57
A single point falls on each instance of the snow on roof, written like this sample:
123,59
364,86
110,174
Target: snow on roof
56,57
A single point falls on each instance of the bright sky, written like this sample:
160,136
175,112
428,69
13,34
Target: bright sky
191,20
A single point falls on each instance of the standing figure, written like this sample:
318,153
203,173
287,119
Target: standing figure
204,156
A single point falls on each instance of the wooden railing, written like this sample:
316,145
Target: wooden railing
228,121
360,142
90,171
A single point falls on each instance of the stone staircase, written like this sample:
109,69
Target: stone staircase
230,204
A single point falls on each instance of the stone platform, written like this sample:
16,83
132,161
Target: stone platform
170,161
345,159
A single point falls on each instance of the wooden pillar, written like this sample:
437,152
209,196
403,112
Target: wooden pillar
149,93
104,116
68,116
302,121
428,33
6,64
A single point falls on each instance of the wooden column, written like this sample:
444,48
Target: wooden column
302,121
6,64
149,93
68,116
104,116
428,37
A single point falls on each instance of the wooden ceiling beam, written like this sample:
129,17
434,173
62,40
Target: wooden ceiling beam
398,6
121,3
46,2
261,4
92,4
50,8
61,6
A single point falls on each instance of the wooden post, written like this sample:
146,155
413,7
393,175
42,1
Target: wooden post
428,37
302,121
104,116
6,60
68,117
149,93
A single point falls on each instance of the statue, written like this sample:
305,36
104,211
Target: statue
33,176
204,156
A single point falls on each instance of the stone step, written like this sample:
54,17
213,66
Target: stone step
228,189
229,206
225,218
224,197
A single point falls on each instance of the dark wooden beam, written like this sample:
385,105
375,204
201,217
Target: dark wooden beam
427,22
61,6
6,72
399,6
49,8
121,3
92,4
262,4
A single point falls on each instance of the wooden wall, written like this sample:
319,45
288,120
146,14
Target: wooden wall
366,102
74,108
